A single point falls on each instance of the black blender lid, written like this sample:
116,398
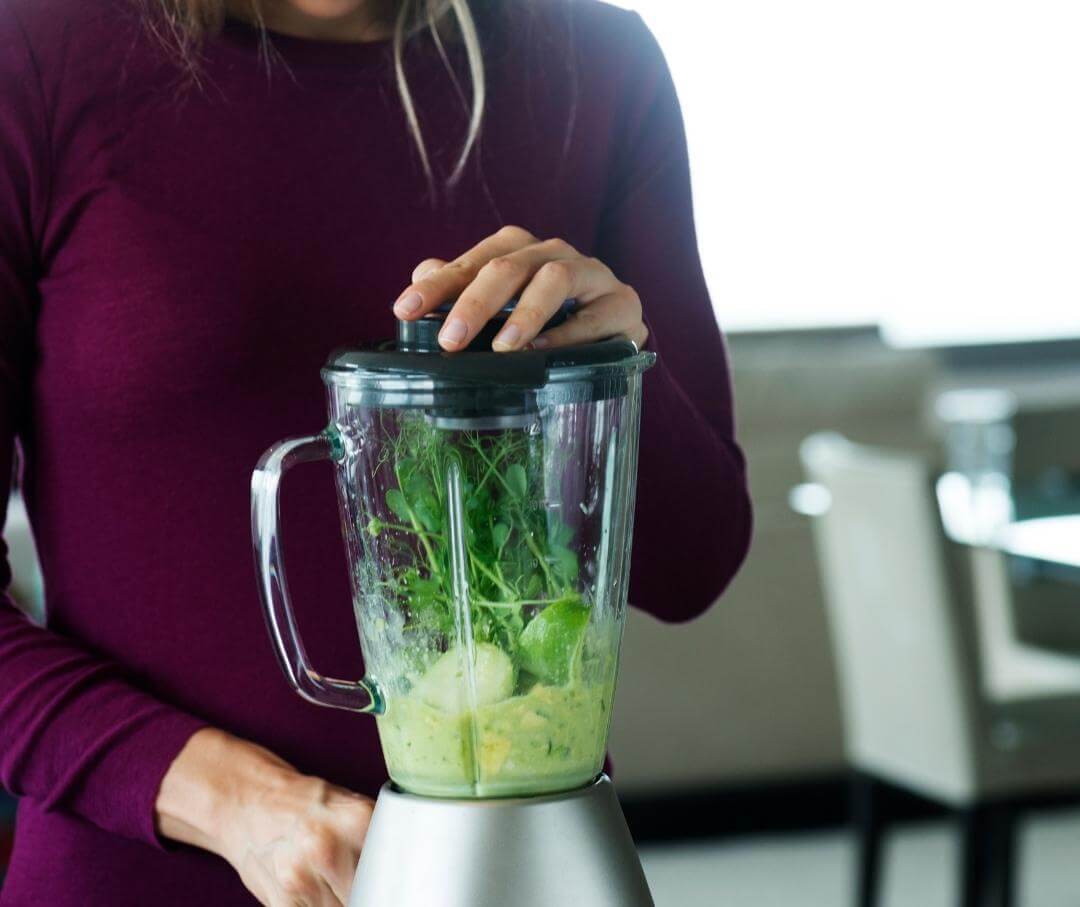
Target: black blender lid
416,352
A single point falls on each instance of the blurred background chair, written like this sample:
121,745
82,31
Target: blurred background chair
938,697
27,587
748,697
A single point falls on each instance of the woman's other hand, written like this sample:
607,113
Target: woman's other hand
543,273
294,840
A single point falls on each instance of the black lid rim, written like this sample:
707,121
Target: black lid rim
525,369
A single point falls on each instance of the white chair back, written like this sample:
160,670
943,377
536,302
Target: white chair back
901,623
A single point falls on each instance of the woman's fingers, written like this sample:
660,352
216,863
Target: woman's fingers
325,896
611,315
331,896
350,817
336,870
426,267
495,284
543,274
554,281
314,862
436,286
302,886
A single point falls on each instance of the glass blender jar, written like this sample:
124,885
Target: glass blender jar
487,506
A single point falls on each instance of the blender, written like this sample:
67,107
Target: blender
487,505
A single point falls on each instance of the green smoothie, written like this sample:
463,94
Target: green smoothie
548,739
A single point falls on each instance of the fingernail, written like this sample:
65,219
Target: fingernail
507,338
541,342
453,332
408,304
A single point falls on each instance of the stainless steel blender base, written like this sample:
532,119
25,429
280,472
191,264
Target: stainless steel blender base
567,849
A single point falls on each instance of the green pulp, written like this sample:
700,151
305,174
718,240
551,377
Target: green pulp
548,739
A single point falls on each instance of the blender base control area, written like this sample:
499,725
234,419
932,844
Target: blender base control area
487,504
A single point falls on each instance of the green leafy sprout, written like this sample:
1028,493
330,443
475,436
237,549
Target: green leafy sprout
522,573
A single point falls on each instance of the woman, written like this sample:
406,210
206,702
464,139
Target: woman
198,200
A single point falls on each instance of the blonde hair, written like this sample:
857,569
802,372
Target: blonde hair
185,23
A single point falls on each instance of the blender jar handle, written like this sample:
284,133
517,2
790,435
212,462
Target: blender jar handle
353,695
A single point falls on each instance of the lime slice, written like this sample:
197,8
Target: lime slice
552,641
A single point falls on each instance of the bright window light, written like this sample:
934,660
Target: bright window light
912,164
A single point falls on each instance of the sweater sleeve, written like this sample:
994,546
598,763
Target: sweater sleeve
693,520
76,734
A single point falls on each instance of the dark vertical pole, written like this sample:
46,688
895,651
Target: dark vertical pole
1004,855
868,820
972,856
986,856
989,856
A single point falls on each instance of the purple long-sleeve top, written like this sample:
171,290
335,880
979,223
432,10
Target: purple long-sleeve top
177,257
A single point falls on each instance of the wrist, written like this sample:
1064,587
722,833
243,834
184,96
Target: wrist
213,778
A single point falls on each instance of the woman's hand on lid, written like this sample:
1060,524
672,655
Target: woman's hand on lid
543,274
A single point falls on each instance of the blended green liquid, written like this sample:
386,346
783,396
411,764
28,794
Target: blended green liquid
548,739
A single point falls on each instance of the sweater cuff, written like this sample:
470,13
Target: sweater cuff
122,791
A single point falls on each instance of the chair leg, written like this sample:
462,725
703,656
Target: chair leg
988,854
868,819
974,856
1004,855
